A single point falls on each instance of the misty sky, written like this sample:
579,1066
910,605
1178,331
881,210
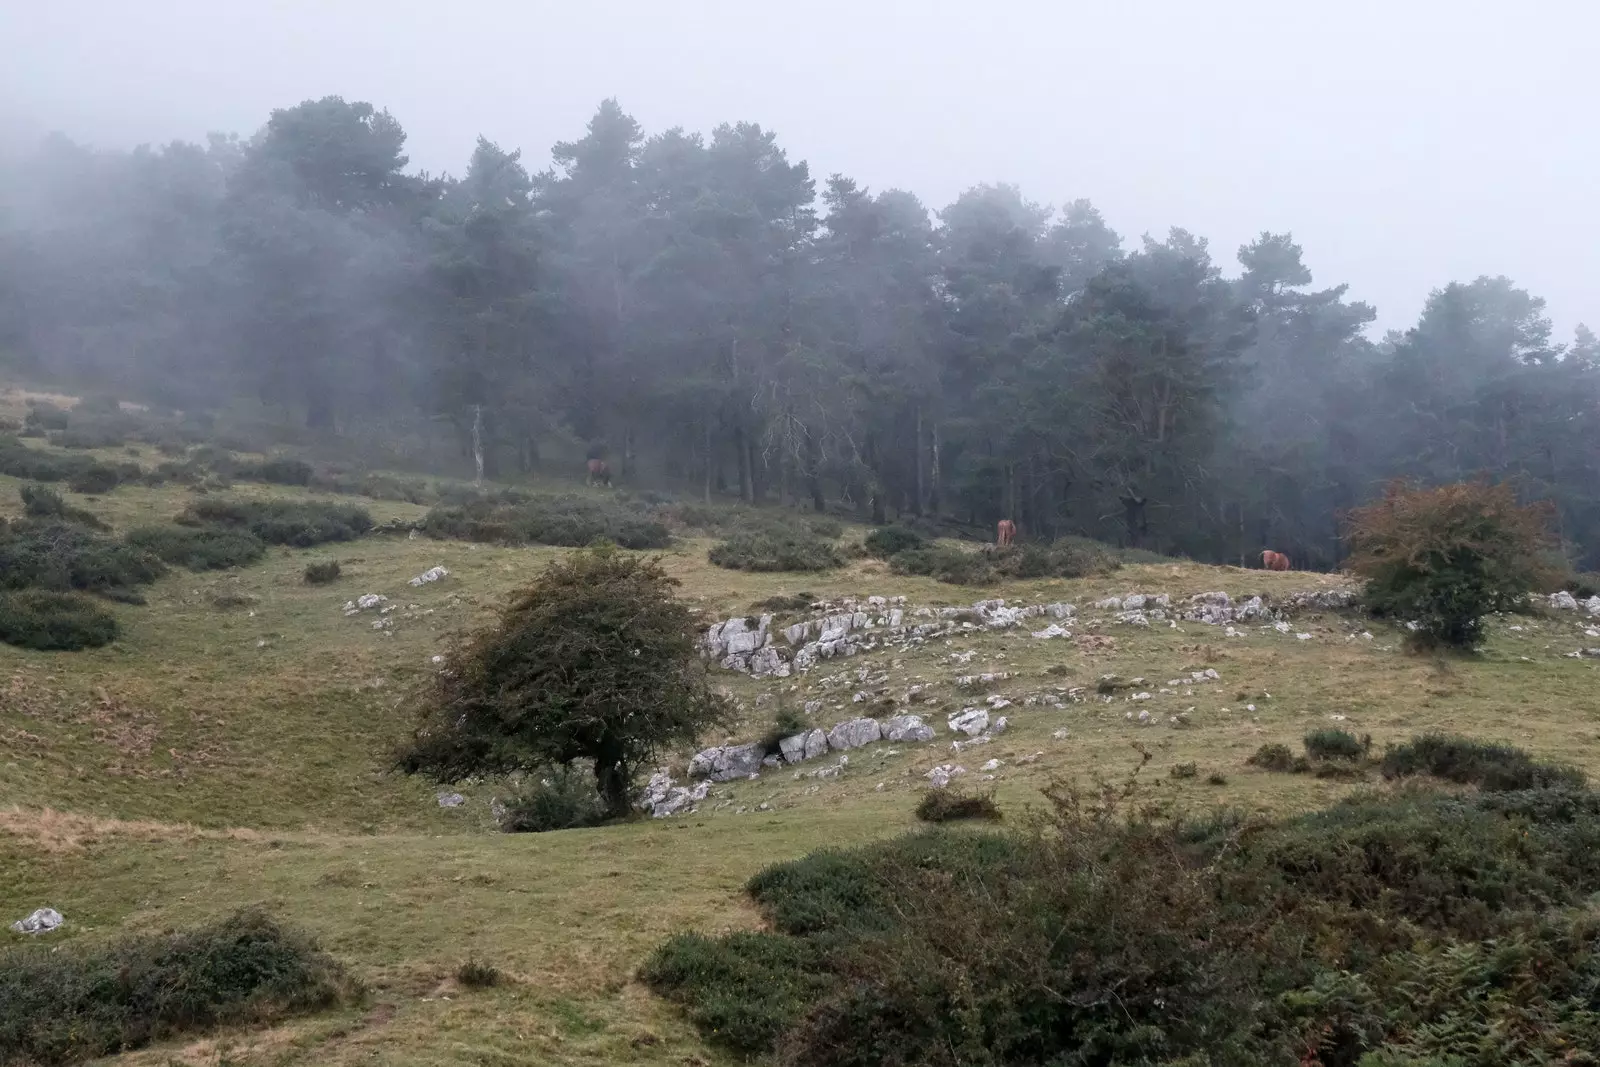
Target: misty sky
1406,144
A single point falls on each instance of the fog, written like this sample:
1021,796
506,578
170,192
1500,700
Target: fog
1403,144
1191,282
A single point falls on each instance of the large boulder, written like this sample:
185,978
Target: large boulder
41,921
906,728
853,733
727,762
809,745
972,722
1563,601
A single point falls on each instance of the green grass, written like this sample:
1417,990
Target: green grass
216,758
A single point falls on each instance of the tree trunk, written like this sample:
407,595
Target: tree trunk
934,501
611,780
746,485
708,461
813,475
916,501
477,443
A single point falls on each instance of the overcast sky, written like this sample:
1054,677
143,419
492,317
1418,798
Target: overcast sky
1405,143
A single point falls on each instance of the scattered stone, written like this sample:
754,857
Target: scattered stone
727,762
1060,735
663,798
940,776
906,728
1302,637
451,800
1050,631
432,574
1563,601
992,765
972,722
41,921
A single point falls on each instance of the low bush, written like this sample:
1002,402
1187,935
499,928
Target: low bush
1331,744
64,1005
58,555
43,417
474,974
43,502
54,622
1497,768
786,602
276,470
946,563
83,474
558,799
322,572
569,521
198,548
887,541
1408,928
949,805
775,550
376,485
298,523
95,479
1068,557
786,722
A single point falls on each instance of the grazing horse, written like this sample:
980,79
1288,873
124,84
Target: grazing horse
1274,561
599,473
1005,533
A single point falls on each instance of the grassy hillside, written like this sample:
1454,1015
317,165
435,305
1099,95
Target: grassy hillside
232,748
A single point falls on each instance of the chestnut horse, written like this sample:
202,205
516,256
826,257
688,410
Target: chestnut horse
1005,533
1274,561
599,472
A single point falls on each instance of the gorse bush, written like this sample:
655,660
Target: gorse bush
71,1004
560,798
775,550
277,470
1396,928
1498,768
1443,558
596,661
83,474
322,572
54,622
1336,744
43,417
570,521
949,805
1068,557
57,555
43,502
887,541
198,548
298,523
475,974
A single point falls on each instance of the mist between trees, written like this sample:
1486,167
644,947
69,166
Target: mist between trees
695,309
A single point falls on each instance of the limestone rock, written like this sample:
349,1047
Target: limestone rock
727,762
41,921
451,800
809,745
432,574
853,733
906,728
971,721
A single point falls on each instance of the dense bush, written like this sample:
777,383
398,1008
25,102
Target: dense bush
277,470
950,805
1336,744
322,572
54,622
773,549
59,555
1068,557
299,523
596,661
1498,768
560,798
43,502
43,465
94,479
43,417
887,541
64,1005
475,974
1409,928
570,521
376,485
1276,757
1443,558
199,548
946,563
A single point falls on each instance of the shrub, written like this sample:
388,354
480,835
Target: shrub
948,805
1067,557
786,722
1331,744
199,548
1274,758
746,989
94,479
946,563
886,541
67,1004
300,523
277,470
475,975
42,465
54,622
1497,768
559,798
60,556
45,417
322,572
43,502
786,602
1444,558
775,550
597,661
570,521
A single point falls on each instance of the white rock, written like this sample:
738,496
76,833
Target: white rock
997,727
972,722
1302,637
906,728
432,574
1563,601
369,600
1060,611
809,745
1061,734
41,921
1110,603
1050,631
992,765
1133,602
853,733
451,800
727,762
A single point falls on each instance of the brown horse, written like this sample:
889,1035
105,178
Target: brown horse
1274,561
1005,533
599,473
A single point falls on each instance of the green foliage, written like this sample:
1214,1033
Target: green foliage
1498,768
199,548
322,572
887,541
1068,557
950,805
299,523
475,974
597,660
94,479
1397,927
58,555
773,549
569,521
83,474
66,1005
1329,743
946,563
43,502
54,622
277,470
786,722
559,798
1443,558
42,417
